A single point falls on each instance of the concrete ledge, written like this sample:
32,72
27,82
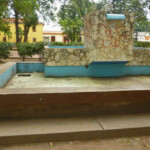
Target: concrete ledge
74,136
62,129
67,102
116,16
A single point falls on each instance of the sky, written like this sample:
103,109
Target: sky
54,26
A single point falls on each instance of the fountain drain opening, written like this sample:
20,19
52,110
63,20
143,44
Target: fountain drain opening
24,75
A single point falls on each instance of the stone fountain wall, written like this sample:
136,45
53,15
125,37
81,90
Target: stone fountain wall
105,40
141,57
65,56
108,40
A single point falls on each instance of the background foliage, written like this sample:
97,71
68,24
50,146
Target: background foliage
5,48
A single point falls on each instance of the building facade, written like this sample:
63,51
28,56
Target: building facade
35,34
57,36
142,36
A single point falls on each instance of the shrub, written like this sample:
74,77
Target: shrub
141,44
38,48
74,44
46,43
5,48
66,44
57,44
25,49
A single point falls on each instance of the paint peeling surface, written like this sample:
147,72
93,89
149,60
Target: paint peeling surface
38,80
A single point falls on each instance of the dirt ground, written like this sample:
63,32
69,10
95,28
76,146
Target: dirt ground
132,143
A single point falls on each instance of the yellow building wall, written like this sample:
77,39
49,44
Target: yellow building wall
38,34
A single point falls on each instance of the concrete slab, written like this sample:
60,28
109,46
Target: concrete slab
38,80
47,126
63,129
125,121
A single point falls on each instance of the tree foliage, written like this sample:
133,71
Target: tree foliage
139,7
29,11
71,17
5,48
29,16
72,28
4,14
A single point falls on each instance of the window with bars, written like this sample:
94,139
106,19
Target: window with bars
34,39
4,39
34,29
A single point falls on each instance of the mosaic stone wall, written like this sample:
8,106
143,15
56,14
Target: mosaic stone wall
108,40
65,56
141,57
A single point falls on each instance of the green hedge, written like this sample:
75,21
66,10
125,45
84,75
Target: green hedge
26,49
5,48
141,44
66,44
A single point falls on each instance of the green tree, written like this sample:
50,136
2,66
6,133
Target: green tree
47,9
72,28
139,7
3,15
71,16
27,10
83,7
28,16
16,6
29,22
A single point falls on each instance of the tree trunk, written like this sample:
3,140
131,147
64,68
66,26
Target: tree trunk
17,26
26,31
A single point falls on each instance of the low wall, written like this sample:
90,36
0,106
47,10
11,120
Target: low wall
30,67
76,62
65,56
141,57
80,56
95,69
6,73
27,103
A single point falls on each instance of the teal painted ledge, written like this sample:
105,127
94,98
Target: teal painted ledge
30,67
116,17
66,71
136,70
66,47
106,69
95,69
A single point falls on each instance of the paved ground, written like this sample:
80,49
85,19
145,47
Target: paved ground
73,124
38,80
14,54
14,57
73,127
134,143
